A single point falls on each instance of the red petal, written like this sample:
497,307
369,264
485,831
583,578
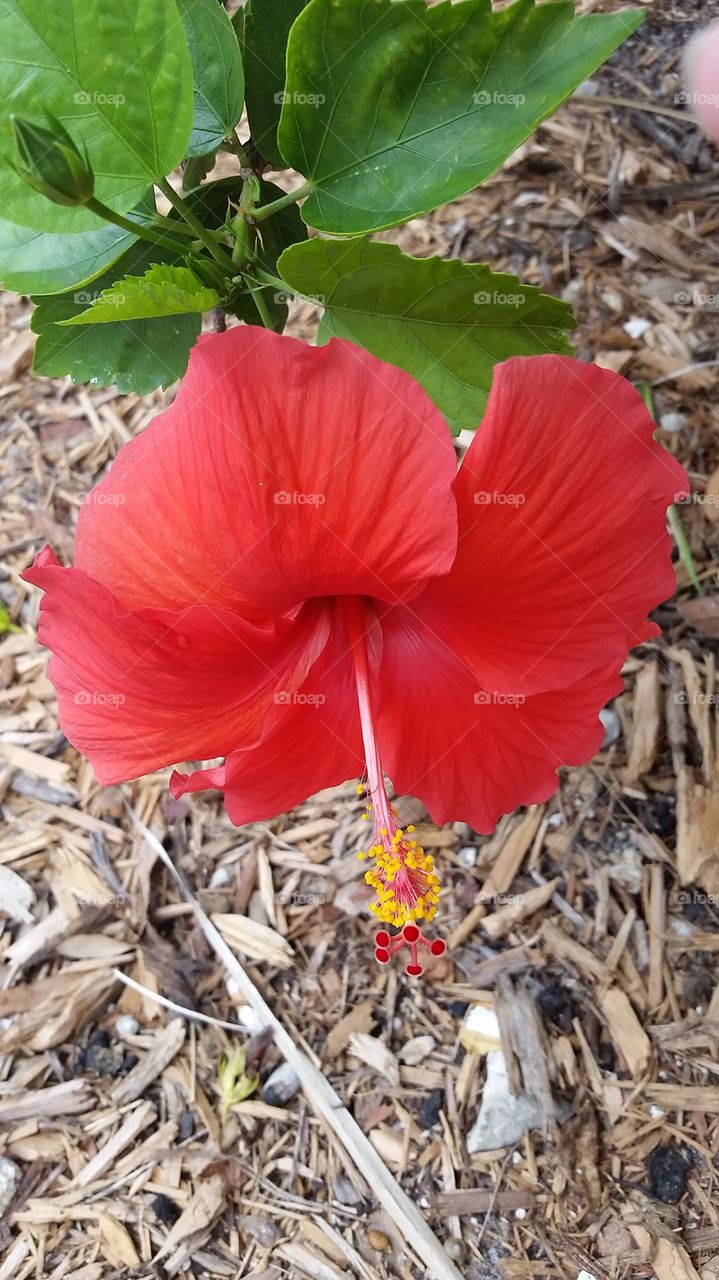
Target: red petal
312,740
472,755
563,548
701,72
141,690
281,472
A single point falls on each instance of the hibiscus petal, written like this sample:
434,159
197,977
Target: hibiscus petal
469,754
312,740
563,548
280,472
140,690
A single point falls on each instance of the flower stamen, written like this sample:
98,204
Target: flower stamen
402,874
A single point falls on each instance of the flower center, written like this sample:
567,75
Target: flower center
403,874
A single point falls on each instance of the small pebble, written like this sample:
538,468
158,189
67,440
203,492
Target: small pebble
430,1109
667,1169
636,326
166,1211
612,726
468,856
378,1240
104,1059
589,88
673,421
456,1248
10,1175
127,1025
416,1050
281,1086
247,1016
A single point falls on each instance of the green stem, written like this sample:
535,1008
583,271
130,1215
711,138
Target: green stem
137,228
673,517
685,551
266,210
267,278
233,144
259,301
201,232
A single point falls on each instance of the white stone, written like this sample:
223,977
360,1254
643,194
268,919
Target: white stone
127,1025
248,1017
10,1175
672,422
612,726
503,1118
636,326
281,1085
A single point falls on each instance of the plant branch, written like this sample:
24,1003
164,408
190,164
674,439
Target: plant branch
137,228
266,210
201,232
259,301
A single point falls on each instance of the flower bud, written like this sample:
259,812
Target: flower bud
50,162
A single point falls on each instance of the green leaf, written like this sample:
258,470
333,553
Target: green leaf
395,108
162,291
217,73
446,322
116,75
264,26
39,262
134,355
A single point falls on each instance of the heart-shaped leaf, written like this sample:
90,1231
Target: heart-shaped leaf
217,73
39,262
446,322
392,109
118,77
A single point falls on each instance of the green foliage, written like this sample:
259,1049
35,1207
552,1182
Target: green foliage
394,108
136,355
216,71
119,78
162,291
263,28
387,108
445,322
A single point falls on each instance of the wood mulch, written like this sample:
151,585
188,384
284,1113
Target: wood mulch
584,933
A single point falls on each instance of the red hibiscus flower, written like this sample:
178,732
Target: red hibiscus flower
287,570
